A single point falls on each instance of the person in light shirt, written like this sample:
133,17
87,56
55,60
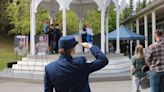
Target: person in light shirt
89,37
89,33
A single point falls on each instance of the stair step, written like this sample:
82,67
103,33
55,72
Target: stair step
41,69
111,71
32,65
28,72
41,65
119,66
27,68
29,63
97,72
37,60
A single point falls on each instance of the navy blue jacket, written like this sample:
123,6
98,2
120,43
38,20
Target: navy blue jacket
69,74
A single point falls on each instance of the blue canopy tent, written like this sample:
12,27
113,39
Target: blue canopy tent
125,34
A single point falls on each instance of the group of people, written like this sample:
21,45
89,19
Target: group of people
54,34
87,34
153,61
68,74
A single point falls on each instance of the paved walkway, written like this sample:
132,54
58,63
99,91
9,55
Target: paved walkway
111,86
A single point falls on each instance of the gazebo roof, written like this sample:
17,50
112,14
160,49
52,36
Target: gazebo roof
78,6
90,3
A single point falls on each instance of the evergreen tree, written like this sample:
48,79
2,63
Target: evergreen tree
131,6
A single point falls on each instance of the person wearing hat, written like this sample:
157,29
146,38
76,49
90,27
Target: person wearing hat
68,74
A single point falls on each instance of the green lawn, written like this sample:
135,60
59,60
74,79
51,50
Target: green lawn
6,51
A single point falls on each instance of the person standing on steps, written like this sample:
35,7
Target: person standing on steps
51,35
84,35
58,35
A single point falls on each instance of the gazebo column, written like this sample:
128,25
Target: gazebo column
80,24
103,30
116,2
32,28
52,14
64,6
80,14
64,22
146,31
103,4
107,31
153,25
51,18
131,41
137,29
79,48
117,28
131,26
33,10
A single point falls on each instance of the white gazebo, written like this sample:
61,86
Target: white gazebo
79,7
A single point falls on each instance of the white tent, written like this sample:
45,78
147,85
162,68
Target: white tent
79,7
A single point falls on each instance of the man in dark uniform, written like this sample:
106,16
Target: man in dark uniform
58,34
51,35
68,74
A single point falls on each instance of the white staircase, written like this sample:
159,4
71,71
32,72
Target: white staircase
30,66
36,66
116,65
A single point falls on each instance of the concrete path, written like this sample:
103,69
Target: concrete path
111,86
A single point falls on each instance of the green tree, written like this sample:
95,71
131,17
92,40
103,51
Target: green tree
92,17
131,6
128,11
4,21
72,22
112,19
141,5
41,16
19,15
144,3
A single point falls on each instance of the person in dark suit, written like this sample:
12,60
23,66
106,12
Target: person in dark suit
51,35
84,35
68,74
58,35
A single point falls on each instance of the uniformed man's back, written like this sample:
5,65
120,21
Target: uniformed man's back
69,74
